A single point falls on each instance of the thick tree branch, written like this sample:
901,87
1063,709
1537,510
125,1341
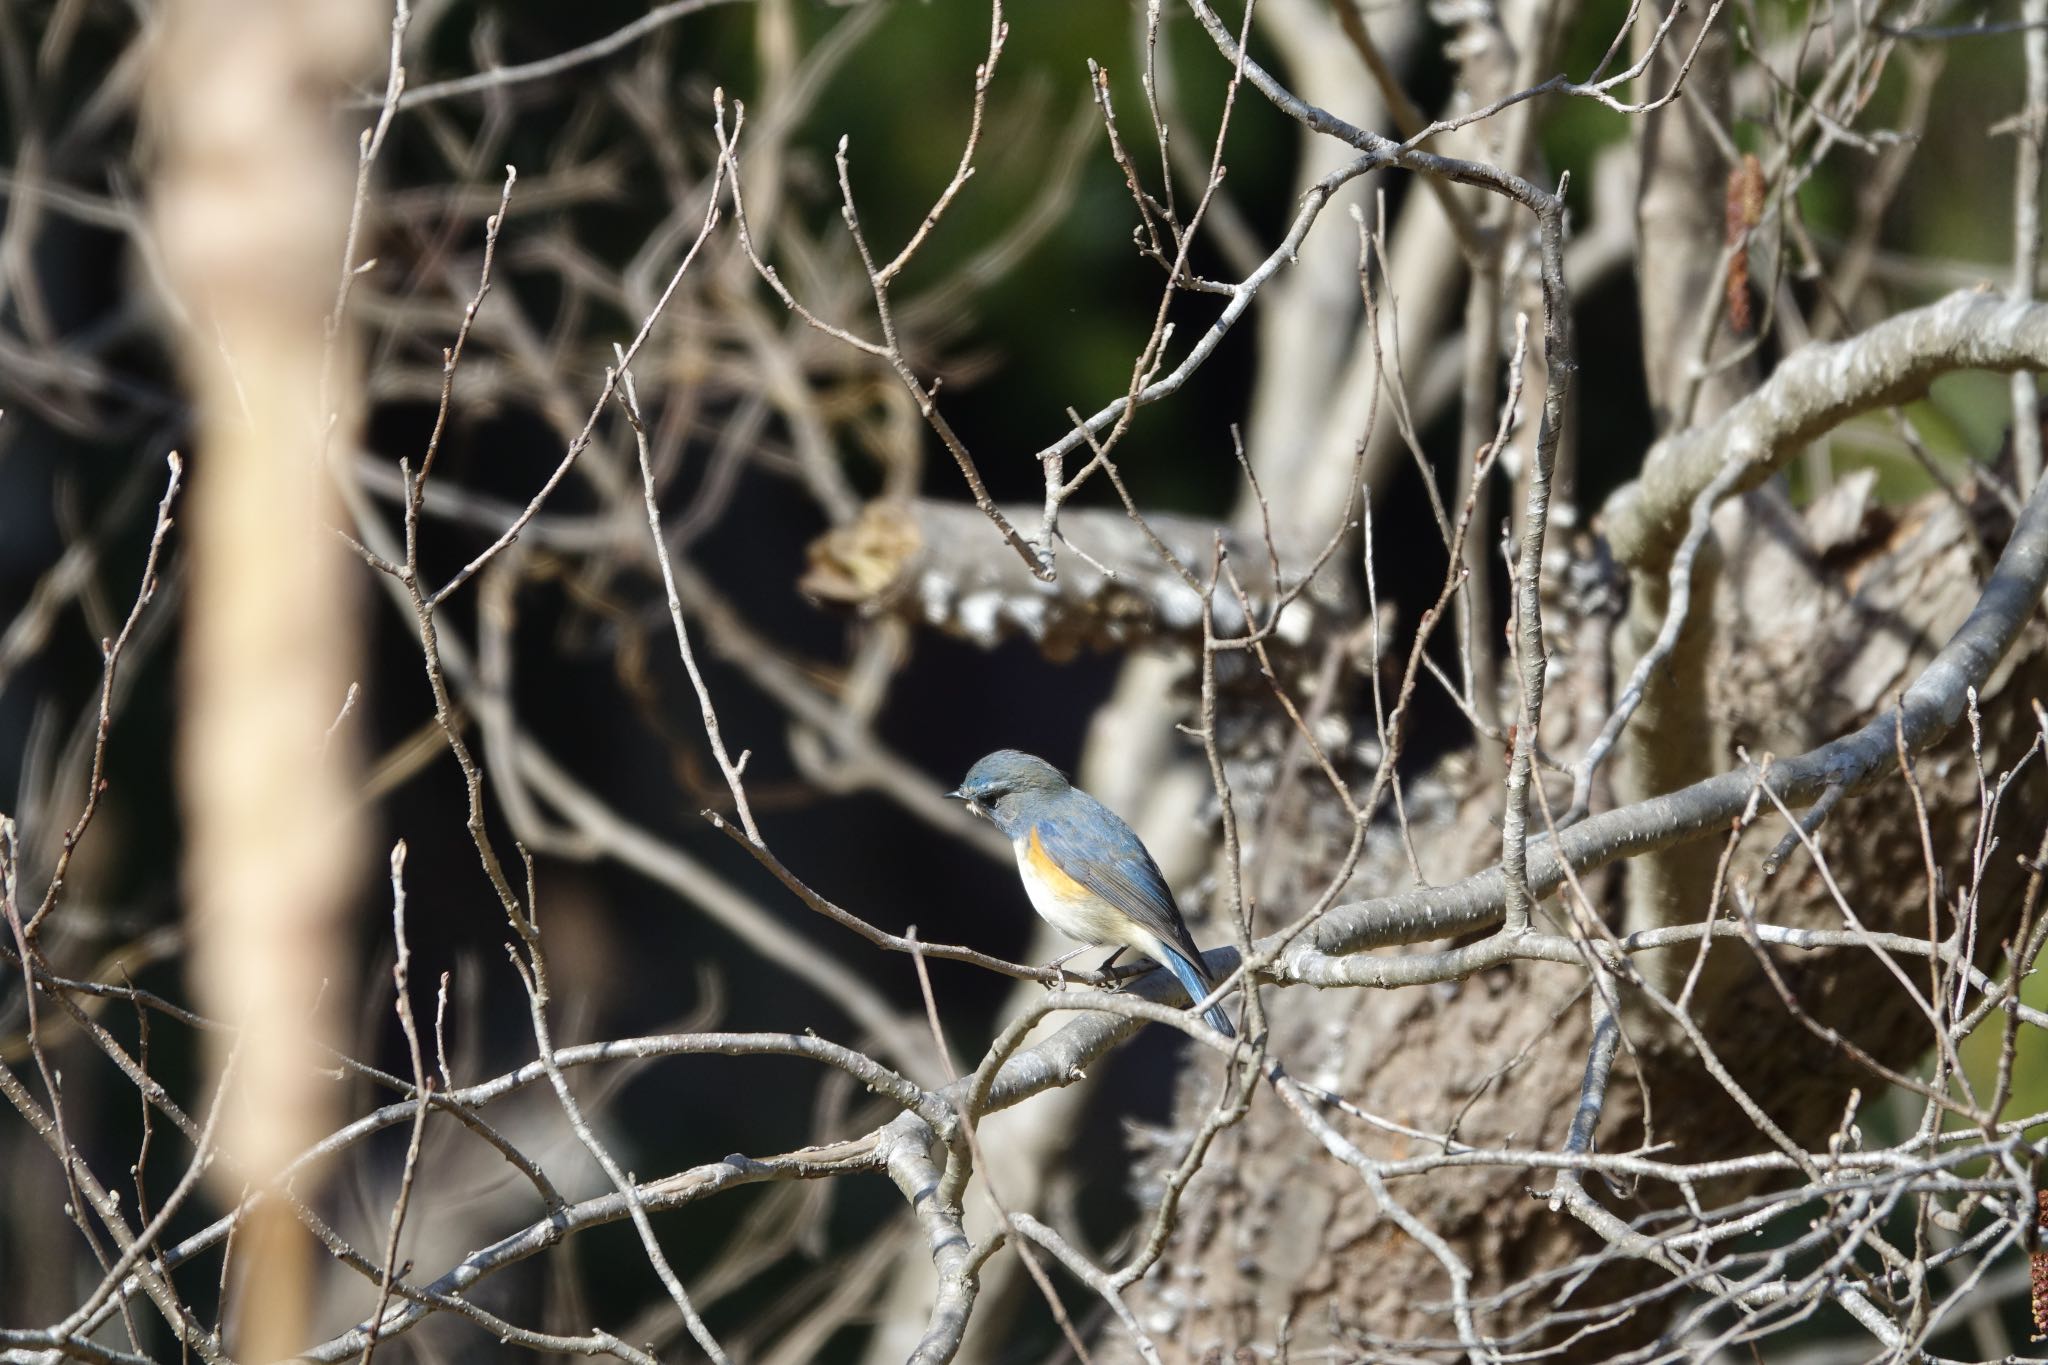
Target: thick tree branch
1815,389
928,562
1927,710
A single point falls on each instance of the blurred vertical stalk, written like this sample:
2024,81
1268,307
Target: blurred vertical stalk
1681,219
2026,233
252,201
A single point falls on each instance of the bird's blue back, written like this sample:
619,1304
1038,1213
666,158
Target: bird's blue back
1096,848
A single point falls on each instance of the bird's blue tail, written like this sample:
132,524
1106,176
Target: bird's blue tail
1196,983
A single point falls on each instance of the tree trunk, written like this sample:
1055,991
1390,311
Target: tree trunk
1277,1242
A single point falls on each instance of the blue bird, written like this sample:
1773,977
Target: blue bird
1086,873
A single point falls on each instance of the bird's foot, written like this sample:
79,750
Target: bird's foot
1057,965
1117,983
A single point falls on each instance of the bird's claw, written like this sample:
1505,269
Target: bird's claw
1058,968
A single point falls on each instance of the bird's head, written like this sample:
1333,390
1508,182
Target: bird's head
1003,785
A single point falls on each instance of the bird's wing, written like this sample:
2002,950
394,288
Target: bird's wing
1097,849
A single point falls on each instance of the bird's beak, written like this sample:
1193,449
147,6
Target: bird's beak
957,795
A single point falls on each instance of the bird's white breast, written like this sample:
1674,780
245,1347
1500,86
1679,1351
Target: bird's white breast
1073,909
